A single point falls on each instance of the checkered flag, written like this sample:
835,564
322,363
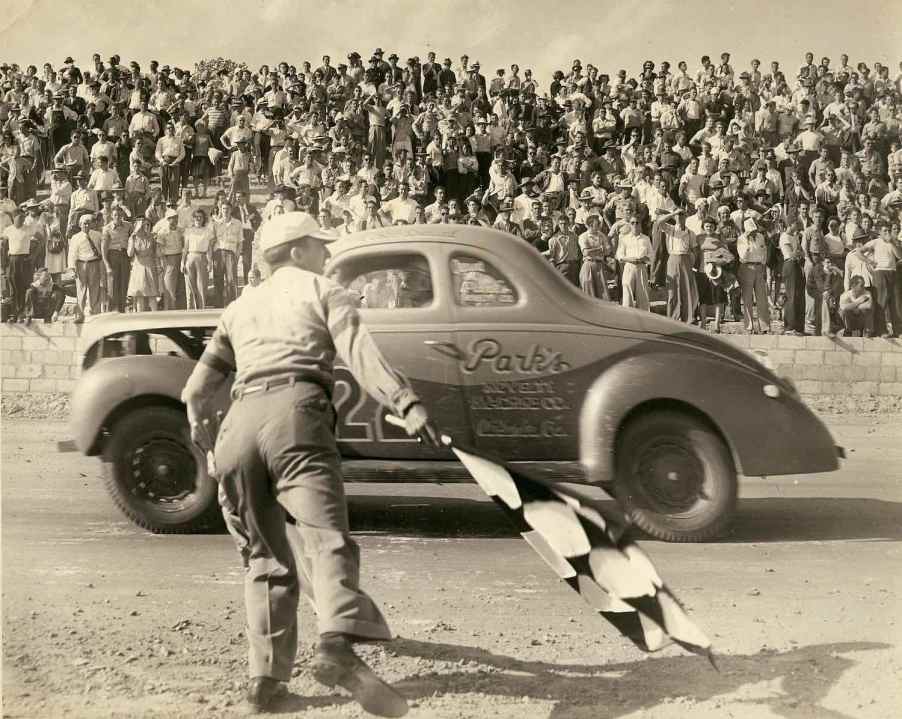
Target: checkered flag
588,548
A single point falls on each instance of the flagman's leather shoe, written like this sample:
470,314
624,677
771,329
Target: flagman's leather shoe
263,692
335,663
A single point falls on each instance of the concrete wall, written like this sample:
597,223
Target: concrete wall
45,358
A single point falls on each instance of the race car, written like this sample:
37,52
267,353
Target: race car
509,358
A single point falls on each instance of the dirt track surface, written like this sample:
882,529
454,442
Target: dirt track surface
102,619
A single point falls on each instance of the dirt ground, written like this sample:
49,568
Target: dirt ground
101,619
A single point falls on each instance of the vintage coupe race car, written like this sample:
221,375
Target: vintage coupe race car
508,357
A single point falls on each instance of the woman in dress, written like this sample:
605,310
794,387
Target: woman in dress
142,284
598,260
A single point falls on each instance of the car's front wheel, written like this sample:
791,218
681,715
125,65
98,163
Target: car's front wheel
156,476
675,476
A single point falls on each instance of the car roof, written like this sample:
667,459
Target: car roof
110,323
465,235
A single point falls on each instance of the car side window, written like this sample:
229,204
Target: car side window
478,283
395,281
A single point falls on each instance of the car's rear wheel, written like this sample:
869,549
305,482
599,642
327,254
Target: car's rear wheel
156,476
675,476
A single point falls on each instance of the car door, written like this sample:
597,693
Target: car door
522,361
404,302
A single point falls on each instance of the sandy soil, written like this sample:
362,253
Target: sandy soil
101,619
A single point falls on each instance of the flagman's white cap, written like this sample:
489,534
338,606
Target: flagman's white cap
292,226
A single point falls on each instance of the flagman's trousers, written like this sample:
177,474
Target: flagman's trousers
276,456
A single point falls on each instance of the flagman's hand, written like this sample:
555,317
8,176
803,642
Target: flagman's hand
417,424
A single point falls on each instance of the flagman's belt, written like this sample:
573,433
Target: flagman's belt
242,391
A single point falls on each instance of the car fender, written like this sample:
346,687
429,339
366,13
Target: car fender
767,435
110,383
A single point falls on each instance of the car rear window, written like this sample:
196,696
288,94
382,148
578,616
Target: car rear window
478,283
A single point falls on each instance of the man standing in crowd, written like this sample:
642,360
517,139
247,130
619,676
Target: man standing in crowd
829,141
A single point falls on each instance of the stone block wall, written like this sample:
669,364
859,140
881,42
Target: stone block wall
46,358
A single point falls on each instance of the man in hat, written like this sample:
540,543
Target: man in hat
86,261
503,221
285,465
170,241
751,248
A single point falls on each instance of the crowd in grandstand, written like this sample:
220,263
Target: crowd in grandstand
742,193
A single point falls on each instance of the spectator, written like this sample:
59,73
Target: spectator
143,284
44,298
85,261
856,309
793,279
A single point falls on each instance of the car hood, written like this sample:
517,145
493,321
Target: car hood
663,329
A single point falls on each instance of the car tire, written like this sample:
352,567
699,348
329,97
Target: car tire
156,476
675,477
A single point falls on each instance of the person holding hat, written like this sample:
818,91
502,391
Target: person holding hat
715,278
74,154
282,341
681,246
81,201
86,261
751,248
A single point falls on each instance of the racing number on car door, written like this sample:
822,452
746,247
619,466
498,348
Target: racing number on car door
400,310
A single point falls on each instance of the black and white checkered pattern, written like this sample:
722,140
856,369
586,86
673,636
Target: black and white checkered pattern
589,549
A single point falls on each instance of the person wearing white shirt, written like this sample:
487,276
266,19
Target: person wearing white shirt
634,252
228,234
103,179
402,207
751,247
170,152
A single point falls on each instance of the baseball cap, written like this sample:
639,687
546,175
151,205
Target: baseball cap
292,226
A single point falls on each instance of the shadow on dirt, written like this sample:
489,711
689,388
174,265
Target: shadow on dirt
757,520
805,674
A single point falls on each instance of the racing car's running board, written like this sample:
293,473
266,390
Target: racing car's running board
390,470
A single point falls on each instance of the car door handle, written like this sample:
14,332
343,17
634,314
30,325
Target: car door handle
449,349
